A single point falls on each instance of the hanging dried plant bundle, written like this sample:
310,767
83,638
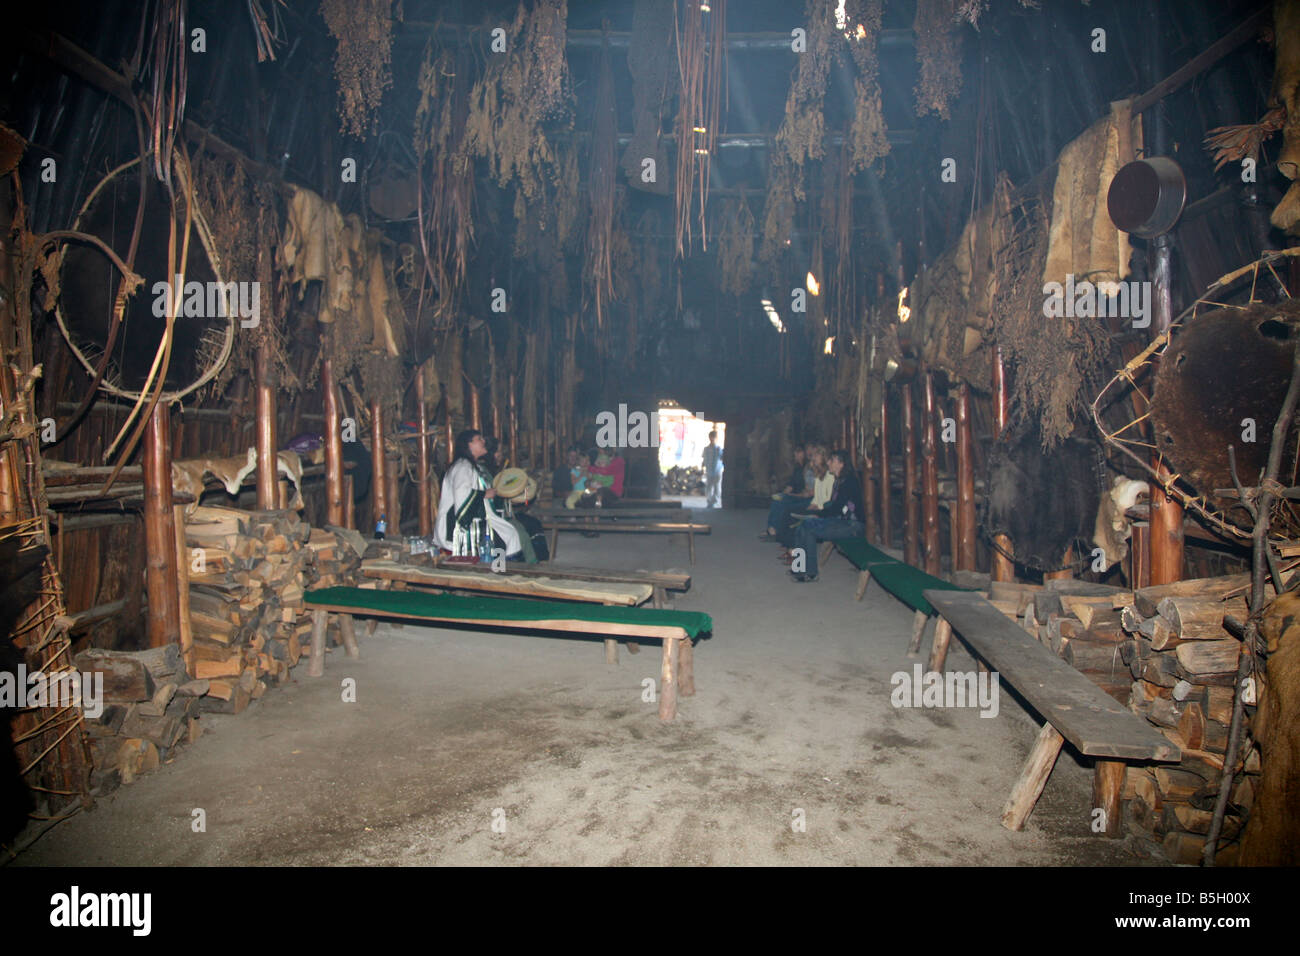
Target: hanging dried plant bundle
362,64
519,91
778,213
735,247
938,51
446,223
164,69
970,11
702,73
804,127
867,129
1056,360
598,280
651,63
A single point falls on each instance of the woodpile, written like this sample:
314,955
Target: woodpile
247,574
1165,653
1184,665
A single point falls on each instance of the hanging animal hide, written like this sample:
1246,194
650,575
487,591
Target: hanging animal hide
188,476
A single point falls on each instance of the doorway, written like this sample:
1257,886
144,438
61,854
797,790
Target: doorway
683,442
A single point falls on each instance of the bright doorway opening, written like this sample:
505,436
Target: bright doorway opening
684,453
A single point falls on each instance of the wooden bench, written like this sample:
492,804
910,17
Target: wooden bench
904,582
676,629
507,583
605,523
1072,707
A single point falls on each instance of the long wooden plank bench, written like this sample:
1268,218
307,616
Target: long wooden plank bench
904,582
507,583
1072,707
661,581
603,525
676,629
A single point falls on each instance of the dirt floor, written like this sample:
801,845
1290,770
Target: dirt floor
482,748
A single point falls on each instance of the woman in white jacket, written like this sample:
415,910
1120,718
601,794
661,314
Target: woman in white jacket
462,479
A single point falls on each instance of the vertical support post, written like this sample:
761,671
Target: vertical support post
1140,555
930,481
512,416
1004,568
316,663
161,585
266,443
964,546
426,519
379,482
1107,786
911,504
334,507
182,582
475,409
882,467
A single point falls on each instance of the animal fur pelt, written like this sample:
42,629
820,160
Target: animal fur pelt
1113,528
20,583
1044,502
187,476
1272,836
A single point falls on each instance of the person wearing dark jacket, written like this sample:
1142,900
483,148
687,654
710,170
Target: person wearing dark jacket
841,517
794,496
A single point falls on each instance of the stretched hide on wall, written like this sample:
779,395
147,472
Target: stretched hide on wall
1113,528
187,476
1224,368
1272,836
1043,502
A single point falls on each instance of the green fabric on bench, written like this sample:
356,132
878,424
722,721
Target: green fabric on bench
472,608
906,583
861,554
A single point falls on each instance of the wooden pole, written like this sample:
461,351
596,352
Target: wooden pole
183,586
1004,568
869,499
911,503
334,505
426,518
1166,541
161,584
882,469
379,484
964,546
266,443
512,416
930,481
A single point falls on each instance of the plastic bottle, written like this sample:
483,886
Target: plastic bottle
381,526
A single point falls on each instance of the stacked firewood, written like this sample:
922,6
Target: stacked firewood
248,571
1078,622
1184,664
246,626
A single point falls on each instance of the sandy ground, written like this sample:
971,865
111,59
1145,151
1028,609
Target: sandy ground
483,748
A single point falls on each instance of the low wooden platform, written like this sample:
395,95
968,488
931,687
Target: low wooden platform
675,629
1073,708
509,583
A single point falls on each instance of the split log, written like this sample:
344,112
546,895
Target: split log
1207,657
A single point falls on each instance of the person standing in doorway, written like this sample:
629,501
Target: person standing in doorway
713,473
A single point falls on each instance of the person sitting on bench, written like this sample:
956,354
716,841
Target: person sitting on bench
822,483
793,496
840,518
467,495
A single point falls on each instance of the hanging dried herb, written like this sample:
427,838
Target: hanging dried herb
735,247
804,126
598,280
363,61
867,128
778,213
938,51
702,72
446,223
519,91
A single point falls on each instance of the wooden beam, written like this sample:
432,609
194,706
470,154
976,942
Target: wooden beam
426,518
1003,567
267,465
379,462
882,470
1239,35
911,504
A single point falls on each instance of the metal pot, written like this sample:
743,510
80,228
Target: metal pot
1146,197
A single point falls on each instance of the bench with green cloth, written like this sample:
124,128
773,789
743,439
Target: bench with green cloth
906,583
1072,707
676,629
